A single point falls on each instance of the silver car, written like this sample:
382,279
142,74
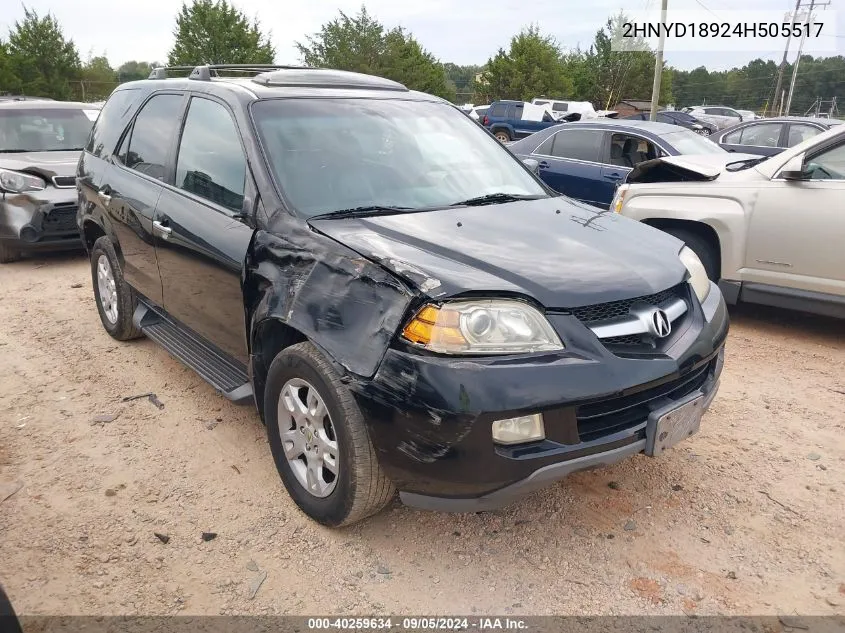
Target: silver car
771,230
720,116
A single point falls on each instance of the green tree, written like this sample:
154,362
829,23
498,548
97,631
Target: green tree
41,58
135,70
361,44
532,67
9,82
97,80
215,32
462,80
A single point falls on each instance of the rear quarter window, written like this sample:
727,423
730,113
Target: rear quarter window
498,110
112,120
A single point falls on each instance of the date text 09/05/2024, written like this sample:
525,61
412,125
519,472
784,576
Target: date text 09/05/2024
721,29
418,624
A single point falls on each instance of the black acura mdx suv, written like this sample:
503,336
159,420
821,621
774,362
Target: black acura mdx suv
406,304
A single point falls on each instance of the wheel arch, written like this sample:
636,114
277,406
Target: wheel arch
702,229
269,337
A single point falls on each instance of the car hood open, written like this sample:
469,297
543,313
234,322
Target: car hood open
686,167
560,253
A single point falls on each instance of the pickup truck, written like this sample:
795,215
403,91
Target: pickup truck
512,120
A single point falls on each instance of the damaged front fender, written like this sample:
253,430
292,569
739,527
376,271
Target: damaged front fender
346,305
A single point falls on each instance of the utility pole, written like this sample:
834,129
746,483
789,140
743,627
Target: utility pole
785,53
813,4
658,63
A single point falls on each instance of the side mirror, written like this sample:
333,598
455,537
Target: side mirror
794,169
532,164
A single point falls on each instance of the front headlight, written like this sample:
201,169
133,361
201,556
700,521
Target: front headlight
19,182
619,198
697,274
485,326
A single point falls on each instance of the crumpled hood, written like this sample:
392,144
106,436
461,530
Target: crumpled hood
684,167
46,164
562,254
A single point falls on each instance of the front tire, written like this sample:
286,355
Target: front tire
116,301
319,440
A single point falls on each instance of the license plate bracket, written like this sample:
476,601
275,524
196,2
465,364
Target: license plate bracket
671,424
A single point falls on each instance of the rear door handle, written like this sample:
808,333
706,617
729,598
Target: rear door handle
104,196
162,230
613,176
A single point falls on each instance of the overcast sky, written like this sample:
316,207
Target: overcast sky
459,31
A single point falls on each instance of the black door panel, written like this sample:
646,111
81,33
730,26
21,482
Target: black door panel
202,237
129,201
200,257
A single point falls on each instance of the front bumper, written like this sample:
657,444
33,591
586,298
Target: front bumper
430,417
41,220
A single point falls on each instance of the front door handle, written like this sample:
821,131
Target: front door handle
613,176
162,230
104,196
543,165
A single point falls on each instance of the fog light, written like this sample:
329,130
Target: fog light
526,428
29,234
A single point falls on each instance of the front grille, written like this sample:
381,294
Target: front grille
60,220
604,417
64,181
613,309
631,339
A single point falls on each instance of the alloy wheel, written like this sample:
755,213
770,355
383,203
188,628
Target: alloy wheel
107,288
308,437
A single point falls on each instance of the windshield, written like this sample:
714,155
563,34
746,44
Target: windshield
688,142
45,129
336,154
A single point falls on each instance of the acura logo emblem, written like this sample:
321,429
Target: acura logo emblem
660,323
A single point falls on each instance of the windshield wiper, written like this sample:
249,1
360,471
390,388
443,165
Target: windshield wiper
494,198
739,165
362,212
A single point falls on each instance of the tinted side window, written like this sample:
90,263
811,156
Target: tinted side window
211,162
546,148
154,129
734,138
578,144
799,132
515,111
763,135
111,122
498,110
560,107
630,151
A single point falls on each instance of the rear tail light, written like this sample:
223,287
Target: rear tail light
485,121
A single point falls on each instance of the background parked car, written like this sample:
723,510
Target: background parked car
720,116
511,120
770,229
40,142
478,112
587,160
676,117
748,115
767,137
560,108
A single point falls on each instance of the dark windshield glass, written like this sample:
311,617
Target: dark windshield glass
45,129
334,154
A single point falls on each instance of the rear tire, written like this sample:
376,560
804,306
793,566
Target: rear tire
8,254
701,246
502,135
333,437
116,301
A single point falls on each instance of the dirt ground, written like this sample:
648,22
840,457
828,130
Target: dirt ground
745,518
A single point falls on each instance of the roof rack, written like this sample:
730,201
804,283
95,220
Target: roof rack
205,72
